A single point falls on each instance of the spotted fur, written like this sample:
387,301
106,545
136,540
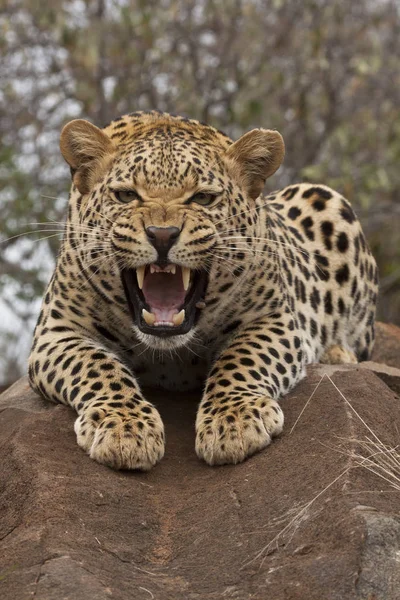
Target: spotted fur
291,281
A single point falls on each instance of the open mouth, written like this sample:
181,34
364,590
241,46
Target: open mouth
164,300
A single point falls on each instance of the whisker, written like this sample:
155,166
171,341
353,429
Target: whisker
224,265
103,216
268,241
53,197
14,237
259,253
72,227
244,212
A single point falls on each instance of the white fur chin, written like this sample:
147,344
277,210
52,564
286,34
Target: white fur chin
165,343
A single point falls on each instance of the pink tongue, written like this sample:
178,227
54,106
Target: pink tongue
164,293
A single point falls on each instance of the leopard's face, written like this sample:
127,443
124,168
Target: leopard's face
169,197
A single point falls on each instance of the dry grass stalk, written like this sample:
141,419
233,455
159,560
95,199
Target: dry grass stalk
373,455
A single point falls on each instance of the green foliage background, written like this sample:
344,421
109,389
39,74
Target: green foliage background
325,73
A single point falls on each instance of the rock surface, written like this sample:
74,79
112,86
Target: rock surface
300,521
387,345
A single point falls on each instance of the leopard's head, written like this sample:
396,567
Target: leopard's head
158,198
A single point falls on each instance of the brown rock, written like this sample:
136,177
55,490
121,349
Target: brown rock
390,375
277,526
387,345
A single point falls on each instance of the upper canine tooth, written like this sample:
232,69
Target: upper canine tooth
140,276
185,278
148,317
179,318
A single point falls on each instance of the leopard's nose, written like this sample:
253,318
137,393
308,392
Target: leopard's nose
162,238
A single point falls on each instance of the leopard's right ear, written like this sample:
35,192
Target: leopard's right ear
88,151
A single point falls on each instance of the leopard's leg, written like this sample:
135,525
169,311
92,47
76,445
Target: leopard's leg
116,426
338,355
239,412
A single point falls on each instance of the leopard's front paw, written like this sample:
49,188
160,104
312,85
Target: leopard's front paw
236,430
123,438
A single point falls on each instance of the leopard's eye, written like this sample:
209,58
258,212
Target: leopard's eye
126,196
203,198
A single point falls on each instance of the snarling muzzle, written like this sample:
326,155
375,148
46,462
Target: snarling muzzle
164,300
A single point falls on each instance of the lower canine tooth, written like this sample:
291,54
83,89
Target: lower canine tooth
148,317
140,276
179,318
185,278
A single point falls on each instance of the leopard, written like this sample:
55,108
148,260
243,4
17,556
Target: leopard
177,271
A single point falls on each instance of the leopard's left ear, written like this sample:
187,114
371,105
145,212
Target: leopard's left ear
255,157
